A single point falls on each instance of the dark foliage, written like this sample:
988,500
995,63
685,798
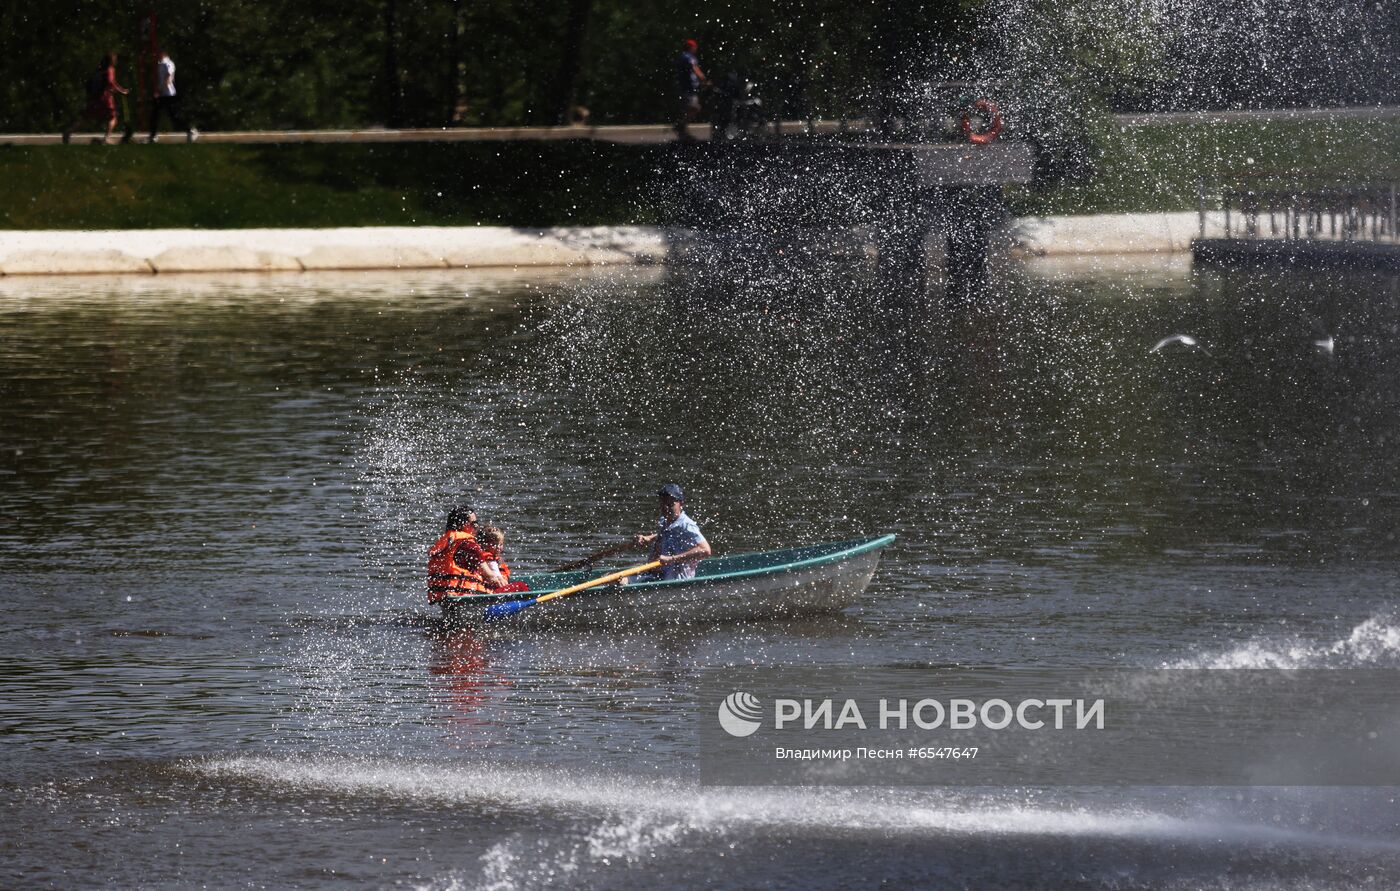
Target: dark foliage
246,64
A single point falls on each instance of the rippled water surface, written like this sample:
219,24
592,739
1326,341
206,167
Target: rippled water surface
218,667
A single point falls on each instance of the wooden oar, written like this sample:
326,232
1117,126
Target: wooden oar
595,557
511,607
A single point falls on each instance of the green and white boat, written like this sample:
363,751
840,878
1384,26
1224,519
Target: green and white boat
789,583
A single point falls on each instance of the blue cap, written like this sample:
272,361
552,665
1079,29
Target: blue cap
671,490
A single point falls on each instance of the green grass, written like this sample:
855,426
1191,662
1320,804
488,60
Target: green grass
541,184
1155,168
235,186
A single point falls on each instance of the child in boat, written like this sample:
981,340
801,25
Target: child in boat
492,541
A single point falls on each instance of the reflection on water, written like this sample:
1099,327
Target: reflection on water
461,662
218,492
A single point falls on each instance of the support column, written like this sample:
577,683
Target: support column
974,213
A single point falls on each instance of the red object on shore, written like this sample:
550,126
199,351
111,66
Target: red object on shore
993,129
146,56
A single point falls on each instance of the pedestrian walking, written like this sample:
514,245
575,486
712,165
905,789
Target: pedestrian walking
689,79
102,89
167,100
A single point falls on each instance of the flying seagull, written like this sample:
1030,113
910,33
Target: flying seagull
1185,340
1325,342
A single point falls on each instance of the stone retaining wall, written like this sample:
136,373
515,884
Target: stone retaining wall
271,250
294,250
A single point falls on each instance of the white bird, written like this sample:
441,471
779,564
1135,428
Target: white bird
1325,341
1185,340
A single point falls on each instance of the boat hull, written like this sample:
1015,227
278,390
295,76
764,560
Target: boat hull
784,593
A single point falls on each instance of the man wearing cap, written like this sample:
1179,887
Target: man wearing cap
677,541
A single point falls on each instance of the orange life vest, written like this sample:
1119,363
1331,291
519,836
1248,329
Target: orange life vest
448,578
488,556
507,587
501,567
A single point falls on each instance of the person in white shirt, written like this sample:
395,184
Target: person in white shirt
166,99
677,542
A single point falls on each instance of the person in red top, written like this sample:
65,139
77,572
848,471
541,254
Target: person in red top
457,564
493,542
689,80
102,88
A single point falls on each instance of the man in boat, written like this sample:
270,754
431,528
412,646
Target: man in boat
677,541
457,563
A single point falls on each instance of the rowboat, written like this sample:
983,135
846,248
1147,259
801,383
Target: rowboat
763,585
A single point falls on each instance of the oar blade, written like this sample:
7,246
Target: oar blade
509,608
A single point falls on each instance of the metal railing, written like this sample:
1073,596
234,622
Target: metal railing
1266,210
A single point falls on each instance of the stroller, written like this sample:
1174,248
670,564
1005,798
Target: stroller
738,110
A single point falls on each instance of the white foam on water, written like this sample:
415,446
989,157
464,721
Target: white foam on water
654,812
518,863
1375,643
628,820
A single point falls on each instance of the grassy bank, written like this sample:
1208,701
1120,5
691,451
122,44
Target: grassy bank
1155,168
248,186
540,184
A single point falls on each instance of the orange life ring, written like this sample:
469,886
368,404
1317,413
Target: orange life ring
991,131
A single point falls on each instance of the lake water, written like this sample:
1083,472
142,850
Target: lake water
218,668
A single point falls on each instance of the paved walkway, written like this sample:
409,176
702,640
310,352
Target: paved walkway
656,134
1156,119
630,134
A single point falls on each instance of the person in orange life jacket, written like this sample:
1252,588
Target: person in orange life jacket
456,561
492,541
677,541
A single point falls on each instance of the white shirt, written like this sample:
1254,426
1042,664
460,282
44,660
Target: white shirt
676,537
165,77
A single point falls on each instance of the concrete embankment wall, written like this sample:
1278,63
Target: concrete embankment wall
306,250
297,250
1129,233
